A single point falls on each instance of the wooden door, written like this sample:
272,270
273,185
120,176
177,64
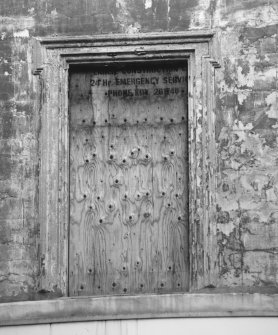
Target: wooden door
128,180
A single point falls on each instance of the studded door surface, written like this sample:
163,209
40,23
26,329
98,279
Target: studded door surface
128,180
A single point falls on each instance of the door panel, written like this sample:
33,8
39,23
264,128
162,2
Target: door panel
128,180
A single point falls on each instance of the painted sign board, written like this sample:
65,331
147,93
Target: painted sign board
128,180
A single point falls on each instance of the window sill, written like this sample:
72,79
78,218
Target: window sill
139,307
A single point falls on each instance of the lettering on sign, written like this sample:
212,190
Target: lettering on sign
140,83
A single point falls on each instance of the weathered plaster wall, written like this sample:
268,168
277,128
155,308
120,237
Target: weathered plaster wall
246,133
246,125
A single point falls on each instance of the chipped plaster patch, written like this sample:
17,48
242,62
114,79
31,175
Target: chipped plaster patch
239,128
22,33
200,17
133,29
242,95
148,4
260,16
224,88
245,80
227,229
123,16
54,13
231,47
31,11
272,102
249,78
18,23
199,20
271,72
120,3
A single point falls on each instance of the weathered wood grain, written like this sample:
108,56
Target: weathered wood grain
128,182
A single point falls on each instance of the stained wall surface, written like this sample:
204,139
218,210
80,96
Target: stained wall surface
197,326
246,225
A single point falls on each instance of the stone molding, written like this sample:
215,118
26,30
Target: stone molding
138,307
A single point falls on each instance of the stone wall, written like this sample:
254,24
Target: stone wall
246,125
